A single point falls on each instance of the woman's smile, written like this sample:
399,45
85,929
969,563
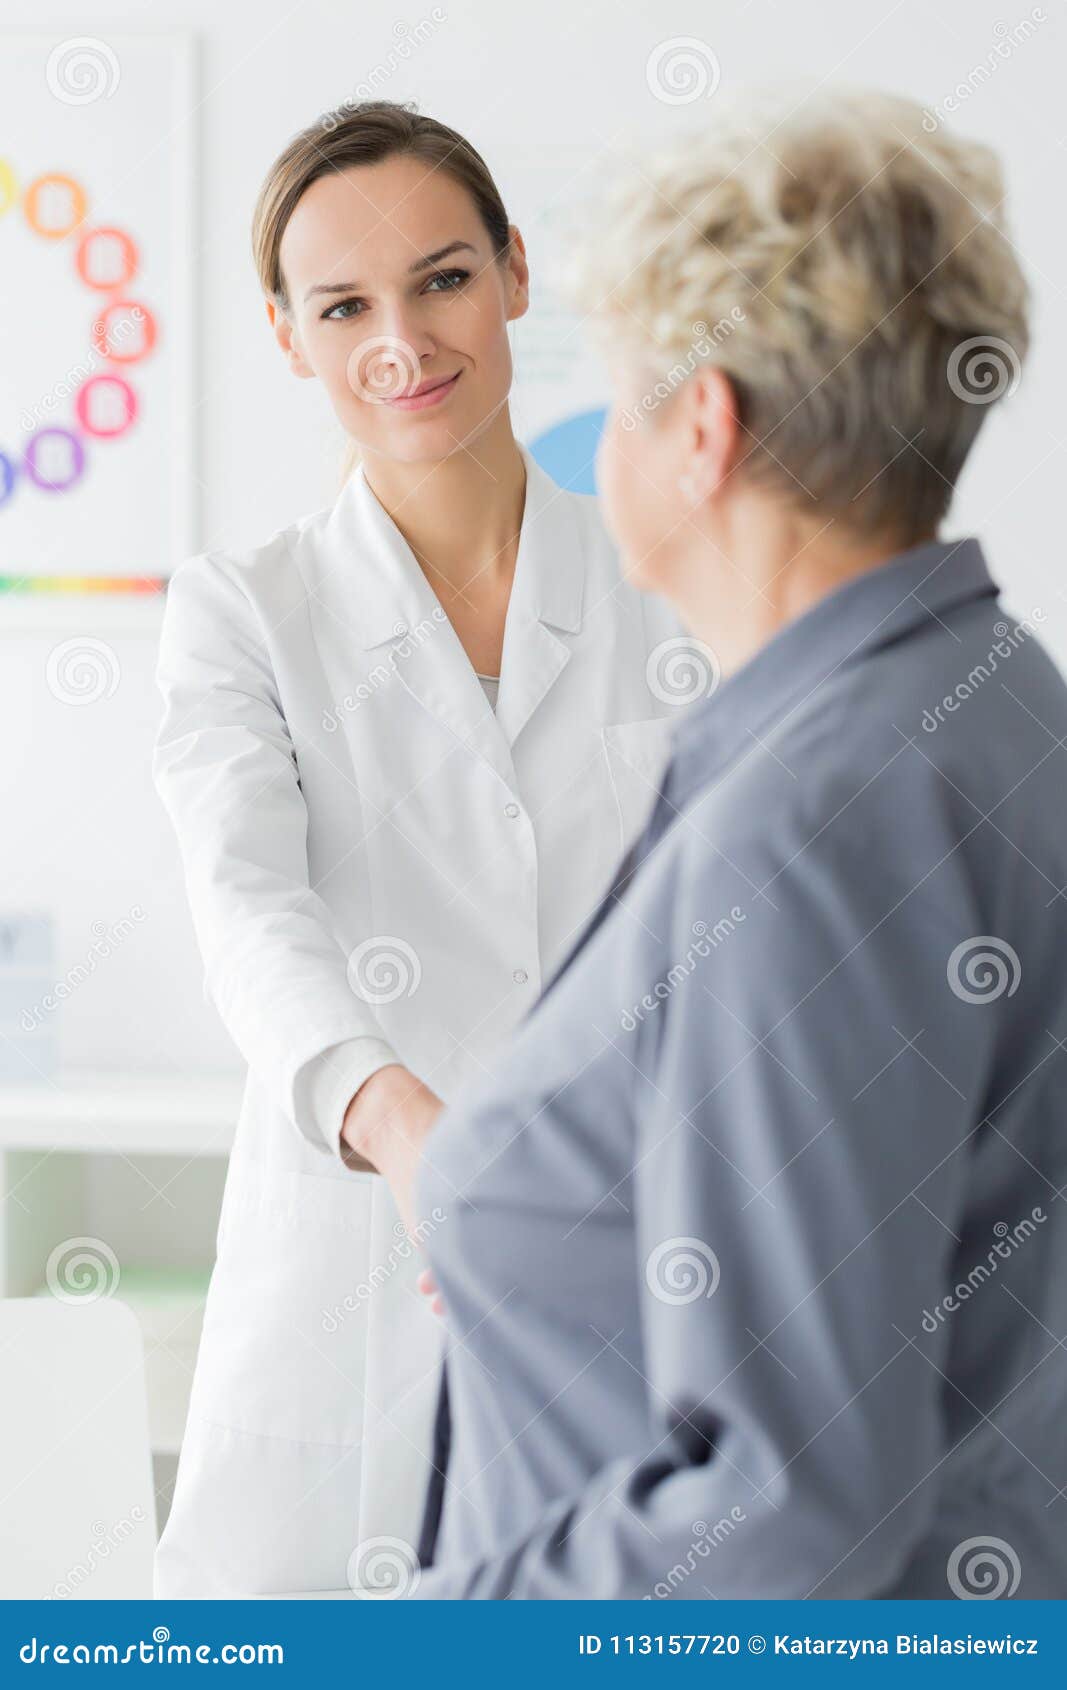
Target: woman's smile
431,392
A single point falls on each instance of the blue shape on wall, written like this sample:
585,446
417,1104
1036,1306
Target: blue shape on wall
567,450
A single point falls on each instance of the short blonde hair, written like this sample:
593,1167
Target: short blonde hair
867,304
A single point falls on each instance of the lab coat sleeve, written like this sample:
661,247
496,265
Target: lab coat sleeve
783,1260
327,1084
225,768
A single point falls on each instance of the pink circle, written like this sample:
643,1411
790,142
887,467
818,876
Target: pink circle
110,388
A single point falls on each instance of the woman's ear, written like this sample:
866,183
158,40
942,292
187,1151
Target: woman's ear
288,340
712,434
518,276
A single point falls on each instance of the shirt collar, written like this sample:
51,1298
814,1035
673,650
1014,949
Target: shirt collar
908,591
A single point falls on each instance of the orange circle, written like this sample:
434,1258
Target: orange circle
130,257
54,179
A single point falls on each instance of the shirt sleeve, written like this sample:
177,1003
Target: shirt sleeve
803,1088
225,768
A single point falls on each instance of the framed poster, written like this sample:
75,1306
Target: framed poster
95,293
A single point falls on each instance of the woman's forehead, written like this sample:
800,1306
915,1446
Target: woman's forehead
374,221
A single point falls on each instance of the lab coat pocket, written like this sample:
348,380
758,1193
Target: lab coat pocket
283,1352
637,754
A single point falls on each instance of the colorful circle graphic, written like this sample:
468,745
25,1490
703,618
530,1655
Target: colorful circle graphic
123,332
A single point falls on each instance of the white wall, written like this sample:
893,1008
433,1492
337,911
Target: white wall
84,834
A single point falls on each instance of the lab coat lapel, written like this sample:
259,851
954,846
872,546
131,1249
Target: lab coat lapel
431,663
397,619
546,595
393,613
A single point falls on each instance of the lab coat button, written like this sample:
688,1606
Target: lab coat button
520,977
511,810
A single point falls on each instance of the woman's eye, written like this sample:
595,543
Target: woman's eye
345,309
452,279
339,313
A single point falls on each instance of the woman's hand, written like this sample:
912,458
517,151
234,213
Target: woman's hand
427,1284
386,1124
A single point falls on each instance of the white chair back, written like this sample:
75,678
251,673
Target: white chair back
77,1503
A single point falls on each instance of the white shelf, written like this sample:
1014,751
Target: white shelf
137,615
123,1114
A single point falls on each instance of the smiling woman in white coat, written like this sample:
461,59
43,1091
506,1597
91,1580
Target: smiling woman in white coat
405,742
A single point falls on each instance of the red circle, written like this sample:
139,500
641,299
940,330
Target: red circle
130,255
100,332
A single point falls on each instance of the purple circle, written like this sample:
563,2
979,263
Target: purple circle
30,460
7,478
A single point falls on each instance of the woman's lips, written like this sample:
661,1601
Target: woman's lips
432,396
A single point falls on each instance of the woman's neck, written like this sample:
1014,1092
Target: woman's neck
740,592
461,515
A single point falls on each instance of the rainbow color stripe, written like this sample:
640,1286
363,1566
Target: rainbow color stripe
156,584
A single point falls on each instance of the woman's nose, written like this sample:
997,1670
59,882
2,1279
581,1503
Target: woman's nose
389,360
405,322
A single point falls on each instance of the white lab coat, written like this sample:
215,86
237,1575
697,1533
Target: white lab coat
379,868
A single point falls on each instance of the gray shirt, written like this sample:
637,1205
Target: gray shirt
754,1254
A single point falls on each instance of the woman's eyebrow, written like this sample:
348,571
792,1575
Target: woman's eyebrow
420,264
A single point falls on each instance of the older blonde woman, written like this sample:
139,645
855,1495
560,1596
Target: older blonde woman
720,1289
